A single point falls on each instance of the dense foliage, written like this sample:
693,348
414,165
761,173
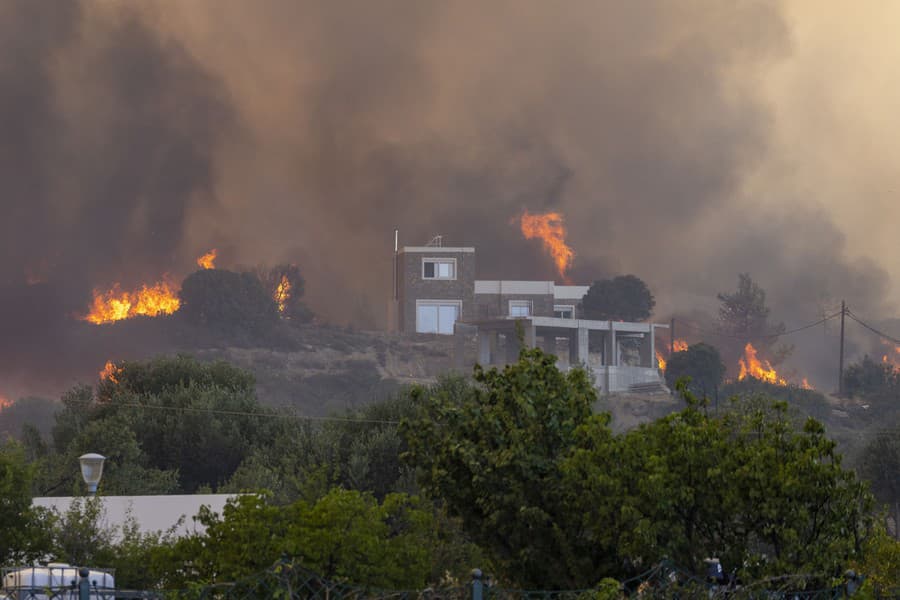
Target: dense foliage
556,498
872,380
511,472
622,298
702,364
491,452
227,302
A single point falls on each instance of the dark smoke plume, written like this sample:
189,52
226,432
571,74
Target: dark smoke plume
305,132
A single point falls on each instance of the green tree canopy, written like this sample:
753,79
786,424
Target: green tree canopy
702,363
623,298
558,501
169,424
491,452
749,486
23,536
345,535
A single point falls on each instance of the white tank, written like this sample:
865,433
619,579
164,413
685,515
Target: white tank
37,581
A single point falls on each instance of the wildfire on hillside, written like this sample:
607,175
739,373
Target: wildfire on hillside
116,304
161,298
110,372
282,293
208,260
751,366
549,228
679,345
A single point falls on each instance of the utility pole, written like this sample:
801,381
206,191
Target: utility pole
671,337
841,356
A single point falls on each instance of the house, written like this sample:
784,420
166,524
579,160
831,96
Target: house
435,292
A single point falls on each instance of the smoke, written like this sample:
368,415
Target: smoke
139,136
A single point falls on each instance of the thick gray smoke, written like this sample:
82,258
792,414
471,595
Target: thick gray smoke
284,131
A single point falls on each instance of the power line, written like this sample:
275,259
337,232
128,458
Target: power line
890,338
767,336
238,413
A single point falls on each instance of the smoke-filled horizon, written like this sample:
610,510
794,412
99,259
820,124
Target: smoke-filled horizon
683,142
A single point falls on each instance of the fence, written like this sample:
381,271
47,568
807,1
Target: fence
288,580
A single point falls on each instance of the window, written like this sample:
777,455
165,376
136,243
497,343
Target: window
520,308
437,316
564,311
438,268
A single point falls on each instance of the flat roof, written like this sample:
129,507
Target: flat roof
513,287
437,249
562,323
570,292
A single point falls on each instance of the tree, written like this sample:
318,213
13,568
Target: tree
171,419
871,379
227,302
286,286
748,486
23,535
345,535
702,363
879,464
491,453
623,298
744,318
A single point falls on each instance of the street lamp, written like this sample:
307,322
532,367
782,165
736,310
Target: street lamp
92,470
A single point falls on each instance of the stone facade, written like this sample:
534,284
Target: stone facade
413,286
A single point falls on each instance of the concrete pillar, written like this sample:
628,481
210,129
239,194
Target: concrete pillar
573,347
581,354
613,346
548,344
459,348
530,335
512,347
653,363
494,341
485,347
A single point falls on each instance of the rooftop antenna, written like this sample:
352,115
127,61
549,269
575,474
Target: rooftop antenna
436,242
396,283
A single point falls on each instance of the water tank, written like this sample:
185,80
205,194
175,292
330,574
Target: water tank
36,582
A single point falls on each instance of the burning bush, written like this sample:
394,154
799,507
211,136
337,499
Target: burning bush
227,302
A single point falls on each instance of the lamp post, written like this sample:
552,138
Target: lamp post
92,470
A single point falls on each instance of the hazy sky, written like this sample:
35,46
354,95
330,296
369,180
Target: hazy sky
683,141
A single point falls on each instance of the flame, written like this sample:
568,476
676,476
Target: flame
208,260
282,293
892,356
751,366
110,372
5,402
549,228
805,385
679,346
115,304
